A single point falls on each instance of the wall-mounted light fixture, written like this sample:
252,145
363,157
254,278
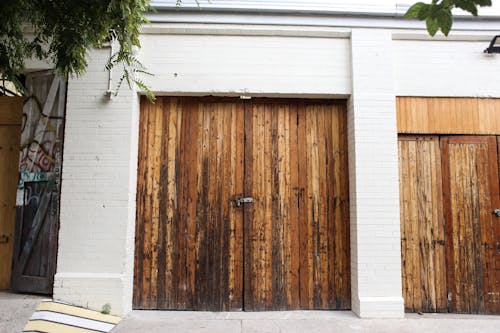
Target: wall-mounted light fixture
494,45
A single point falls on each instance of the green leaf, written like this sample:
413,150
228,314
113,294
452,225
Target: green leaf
445,21
482,3
424,12
432,26
414,10
468,6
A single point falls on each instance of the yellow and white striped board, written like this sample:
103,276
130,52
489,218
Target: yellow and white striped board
54,317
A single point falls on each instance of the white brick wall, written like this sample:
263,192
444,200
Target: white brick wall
247,64
373,178
98,193
445,68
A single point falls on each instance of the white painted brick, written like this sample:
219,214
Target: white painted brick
445,68
373,170
247,64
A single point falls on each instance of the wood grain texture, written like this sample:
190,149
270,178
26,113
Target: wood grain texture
470,185
195,249
191,155
450,267
439,115
297,237
422,224
11,110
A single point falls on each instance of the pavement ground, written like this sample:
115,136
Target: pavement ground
299,321
16,309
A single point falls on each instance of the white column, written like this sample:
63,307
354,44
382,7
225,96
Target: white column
373,178
96,238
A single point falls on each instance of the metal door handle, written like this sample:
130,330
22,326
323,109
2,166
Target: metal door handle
496,212
238,202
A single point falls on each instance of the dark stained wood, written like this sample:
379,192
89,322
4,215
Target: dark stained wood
191,153
422,228
289,159
195,249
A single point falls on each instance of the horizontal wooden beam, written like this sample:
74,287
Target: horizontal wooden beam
443,115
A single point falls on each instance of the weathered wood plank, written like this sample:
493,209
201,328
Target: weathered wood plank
237,220
267,246
422,240
250,211
471,191
295,194
305,268
9,166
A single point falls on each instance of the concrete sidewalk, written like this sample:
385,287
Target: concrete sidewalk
299,321
16,310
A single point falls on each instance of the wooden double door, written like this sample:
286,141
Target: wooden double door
242,204
450,226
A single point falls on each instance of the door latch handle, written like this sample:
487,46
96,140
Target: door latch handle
496,212
238,202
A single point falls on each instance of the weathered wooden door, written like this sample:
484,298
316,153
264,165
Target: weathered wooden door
471,194
200,246
449,189
189,237
37,203
11,109
296,230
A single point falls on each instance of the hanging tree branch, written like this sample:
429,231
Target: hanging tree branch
63,31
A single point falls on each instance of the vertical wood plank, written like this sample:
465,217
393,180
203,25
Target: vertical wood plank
249,277
294,199
302,207
11,110
138,255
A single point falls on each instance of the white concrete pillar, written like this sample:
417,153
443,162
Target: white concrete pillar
96,238
373,178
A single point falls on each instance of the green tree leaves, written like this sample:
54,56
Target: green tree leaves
438,15
63,31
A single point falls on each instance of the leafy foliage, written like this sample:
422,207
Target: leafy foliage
438,15
62,31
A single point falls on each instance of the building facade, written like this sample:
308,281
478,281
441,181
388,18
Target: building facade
364,58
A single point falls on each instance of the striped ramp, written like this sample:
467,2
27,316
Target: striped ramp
54,317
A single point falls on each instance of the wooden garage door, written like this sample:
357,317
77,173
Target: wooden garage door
199,247
449,189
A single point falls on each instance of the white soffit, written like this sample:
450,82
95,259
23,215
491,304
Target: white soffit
378,7
354,13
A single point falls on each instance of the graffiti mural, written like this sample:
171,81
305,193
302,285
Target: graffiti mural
42,128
